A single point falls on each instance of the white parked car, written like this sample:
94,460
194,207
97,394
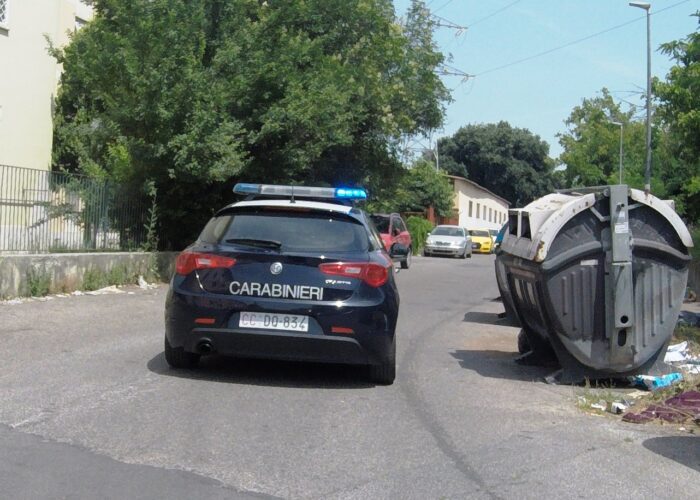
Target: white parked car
448,240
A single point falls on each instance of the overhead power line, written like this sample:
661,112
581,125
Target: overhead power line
493,13
574,42
448,70
442,6
446,23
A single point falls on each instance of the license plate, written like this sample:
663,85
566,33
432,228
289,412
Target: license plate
269,321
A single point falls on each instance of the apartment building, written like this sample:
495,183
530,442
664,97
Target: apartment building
29,75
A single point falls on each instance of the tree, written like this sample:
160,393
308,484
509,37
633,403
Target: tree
592,144
679,111
511,162
194,95
419,187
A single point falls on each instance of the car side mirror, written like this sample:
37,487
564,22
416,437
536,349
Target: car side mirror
399,250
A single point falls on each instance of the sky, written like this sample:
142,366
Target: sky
540,93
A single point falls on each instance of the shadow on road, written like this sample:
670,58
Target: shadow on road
499,364
683,449
485,318
267,373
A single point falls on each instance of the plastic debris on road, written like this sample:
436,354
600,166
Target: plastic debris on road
685,406
618,407
105,291
144,285
680,357
653,383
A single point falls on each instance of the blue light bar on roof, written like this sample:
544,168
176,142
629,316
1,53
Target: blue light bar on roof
301,191
243,188
351,193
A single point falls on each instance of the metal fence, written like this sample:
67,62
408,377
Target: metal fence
42,211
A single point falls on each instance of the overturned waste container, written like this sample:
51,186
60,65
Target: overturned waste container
597,277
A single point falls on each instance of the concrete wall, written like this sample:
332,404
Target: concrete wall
67,271
30,76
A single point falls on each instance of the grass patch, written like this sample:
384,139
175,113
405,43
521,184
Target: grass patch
121,275
38,282
689,333
598,395
94,279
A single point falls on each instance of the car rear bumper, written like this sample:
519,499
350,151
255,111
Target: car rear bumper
454,251
277,345
481,248
370,342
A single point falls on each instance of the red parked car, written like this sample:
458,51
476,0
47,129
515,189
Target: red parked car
393,230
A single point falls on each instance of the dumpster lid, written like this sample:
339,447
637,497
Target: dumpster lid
532,229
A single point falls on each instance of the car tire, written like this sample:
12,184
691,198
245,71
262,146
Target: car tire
464,254
406,263
384,374
426,254
176,357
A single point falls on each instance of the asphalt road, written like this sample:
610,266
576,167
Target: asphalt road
89,409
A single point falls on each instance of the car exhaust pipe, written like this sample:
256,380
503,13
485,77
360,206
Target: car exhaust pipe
204,347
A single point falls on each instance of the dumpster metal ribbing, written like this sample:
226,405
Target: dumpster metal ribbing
597,277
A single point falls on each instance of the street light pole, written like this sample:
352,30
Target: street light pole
621,125
647,170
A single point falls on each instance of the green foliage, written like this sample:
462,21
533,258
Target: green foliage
38,282
418,188
679,111
94,279
120,275
511,162
592,147
195,95
151,243
419,229
689,333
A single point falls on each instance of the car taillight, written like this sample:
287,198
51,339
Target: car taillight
190,261
373,274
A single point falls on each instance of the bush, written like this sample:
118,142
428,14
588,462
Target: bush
419,229
94,279
39,282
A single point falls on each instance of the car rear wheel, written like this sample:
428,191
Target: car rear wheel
406,263
178,358
385,373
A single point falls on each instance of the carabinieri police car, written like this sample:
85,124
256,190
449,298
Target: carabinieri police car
293,273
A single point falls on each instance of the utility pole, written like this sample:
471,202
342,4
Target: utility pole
647,170
621,125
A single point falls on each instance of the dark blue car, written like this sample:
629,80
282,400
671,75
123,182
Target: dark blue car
291,273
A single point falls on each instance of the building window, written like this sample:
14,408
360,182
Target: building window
478,210
4,12
470,208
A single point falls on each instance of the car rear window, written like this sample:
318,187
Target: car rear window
476,232
448,231
381,222
297,232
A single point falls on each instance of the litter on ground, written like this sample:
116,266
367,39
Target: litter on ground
680,408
